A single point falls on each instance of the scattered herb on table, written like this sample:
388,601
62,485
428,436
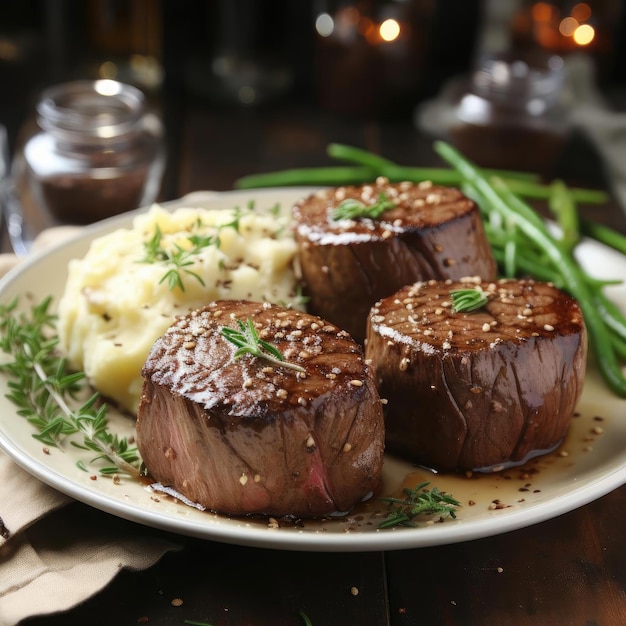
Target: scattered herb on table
468,300
351,208
45,390
418,501
247,340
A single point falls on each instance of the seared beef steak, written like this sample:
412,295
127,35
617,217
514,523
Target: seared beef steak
477,390
349,264
246,436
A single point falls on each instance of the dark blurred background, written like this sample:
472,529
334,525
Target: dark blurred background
369,59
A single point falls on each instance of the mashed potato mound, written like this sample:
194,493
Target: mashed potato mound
131,284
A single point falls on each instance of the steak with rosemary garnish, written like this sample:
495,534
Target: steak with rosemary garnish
244,434
407,232
477,390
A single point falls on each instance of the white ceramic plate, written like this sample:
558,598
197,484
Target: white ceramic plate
590,463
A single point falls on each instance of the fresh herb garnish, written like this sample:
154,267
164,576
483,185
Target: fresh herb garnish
179,258
468,300
248,341
45,390
418,501
351,208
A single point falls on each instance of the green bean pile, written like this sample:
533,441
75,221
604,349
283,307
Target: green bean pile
521,240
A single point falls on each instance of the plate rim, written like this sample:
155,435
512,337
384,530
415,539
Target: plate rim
389,539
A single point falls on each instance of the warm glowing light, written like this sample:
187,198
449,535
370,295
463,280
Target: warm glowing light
541,12
581,12
584,34
389,30
568,26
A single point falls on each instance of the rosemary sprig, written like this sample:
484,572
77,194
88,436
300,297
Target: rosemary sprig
468,300
44,390
248,341
351,208
418,501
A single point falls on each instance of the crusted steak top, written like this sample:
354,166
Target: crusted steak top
193,359
412,207
421,315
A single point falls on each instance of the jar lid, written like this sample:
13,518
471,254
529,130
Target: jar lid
100,109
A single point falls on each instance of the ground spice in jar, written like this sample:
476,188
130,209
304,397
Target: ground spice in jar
98,153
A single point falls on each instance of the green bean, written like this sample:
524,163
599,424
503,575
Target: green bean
386,167
612,315
512,209
324,176
620,347
530,267
526,184
604,234
359,156
564,209
346,175
538,191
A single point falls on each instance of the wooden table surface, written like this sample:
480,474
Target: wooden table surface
568,570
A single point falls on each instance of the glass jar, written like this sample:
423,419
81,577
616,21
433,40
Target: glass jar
98,152
510,113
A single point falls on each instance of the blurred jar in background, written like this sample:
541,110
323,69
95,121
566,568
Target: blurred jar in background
97,153
509,113
370,55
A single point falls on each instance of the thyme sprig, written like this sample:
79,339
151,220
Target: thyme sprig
418,501
178,259
45,391
351,208
468,300
247,340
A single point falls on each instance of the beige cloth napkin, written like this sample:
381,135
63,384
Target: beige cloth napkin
54,552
